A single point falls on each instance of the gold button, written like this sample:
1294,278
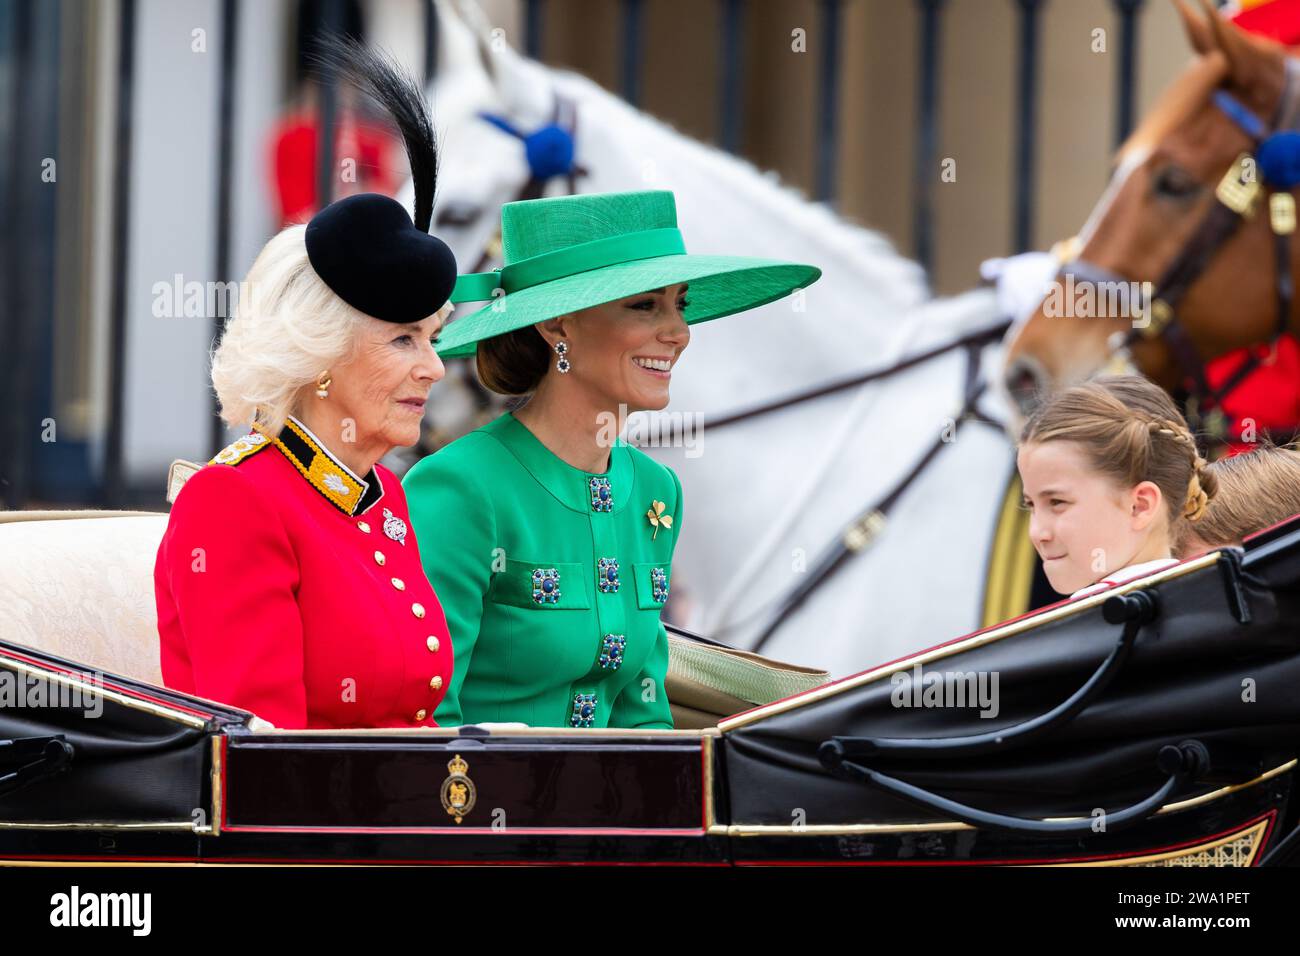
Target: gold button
417,610
421,714
399,584
364,527
436,682
432,644
379,558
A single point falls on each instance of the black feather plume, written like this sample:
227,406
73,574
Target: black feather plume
391,86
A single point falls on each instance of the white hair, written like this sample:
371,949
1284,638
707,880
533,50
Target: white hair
287,328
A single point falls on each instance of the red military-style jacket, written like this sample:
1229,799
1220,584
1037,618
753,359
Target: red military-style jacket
289,586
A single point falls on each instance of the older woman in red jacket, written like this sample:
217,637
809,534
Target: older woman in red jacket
289,581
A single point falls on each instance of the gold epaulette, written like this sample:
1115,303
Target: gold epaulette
241,449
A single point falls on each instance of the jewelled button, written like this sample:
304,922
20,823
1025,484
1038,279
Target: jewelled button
611,651
365,528
602,495
421,714
584,710
417,609
379,558
399,584
435,683
546,585
659,584
607,575
432,644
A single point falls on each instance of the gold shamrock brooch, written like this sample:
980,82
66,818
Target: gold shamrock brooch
658,518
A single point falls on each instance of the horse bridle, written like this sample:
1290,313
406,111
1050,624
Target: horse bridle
1236,200
564,120
1237,196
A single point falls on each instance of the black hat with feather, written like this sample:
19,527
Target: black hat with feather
365,247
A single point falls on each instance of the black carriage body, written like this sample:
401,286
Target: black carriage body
160,776
191,782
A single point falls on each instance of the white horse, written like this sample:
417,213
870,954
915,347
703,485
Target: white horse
766,496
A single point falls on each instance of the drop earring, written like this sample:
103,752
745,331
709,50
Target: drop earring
323,384
562,364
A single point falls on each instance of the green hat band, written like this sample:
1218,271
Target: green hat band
571,260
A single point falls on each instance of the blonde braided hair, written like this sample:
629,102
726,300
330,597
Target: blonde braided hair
1254,490
1131,431
1197,498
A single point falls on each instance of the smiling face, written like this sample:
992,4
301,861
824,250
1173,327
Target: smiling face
623,352
384,386
1082,524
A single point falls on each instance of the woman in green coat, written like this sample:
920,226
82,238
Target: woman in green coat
549,539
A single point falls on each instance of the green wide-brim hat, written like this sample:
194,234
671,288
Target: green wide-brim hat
568,253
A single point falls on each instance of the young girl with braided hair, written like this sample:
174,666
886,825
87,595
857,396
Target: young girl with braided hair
1110,471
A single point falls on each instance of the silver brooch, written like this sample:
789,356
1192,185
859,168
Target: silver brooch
394,527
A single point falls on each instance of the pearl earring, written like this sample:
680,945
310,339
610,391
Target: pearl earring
323,384
562,364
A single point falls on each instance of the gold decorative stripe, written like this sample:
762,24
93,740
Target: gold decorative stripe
1224,791
218,792
1235,849
830,829
190,720
185,825
710,810
849,829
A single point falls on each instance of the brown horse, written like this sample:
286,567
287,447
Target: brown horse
1162,220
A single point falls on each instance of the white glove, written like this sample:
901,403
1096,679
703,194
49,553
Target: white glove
1022,281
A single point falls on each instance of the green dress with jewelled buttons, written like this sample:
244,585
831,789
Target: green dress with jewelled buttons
551,578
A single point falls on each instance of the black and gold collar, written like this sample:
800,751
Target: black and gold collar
333,479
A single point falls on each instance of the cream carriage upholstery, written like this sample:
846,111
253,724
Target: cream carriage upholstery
79,584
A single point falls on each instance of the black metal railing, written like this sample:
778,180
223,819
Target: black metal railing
733,18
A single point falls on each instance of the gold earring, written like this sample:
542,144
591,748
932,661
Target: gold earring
323,384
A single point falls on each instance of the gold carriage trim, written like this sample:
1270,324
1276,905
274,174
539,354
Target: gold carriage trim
241,449
1010,574
1234,849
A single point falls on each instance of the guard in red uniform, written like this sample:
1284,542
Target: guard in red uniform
313,610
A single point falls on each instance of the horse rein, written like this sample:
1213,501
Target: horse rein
865,528
1237,197
980,337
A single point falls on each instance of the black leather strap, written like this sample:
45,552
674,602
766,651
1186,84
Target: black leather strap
839,551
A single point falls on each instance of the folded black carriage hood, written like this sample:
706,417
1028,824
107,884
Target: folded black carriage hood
1219,664
139,753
